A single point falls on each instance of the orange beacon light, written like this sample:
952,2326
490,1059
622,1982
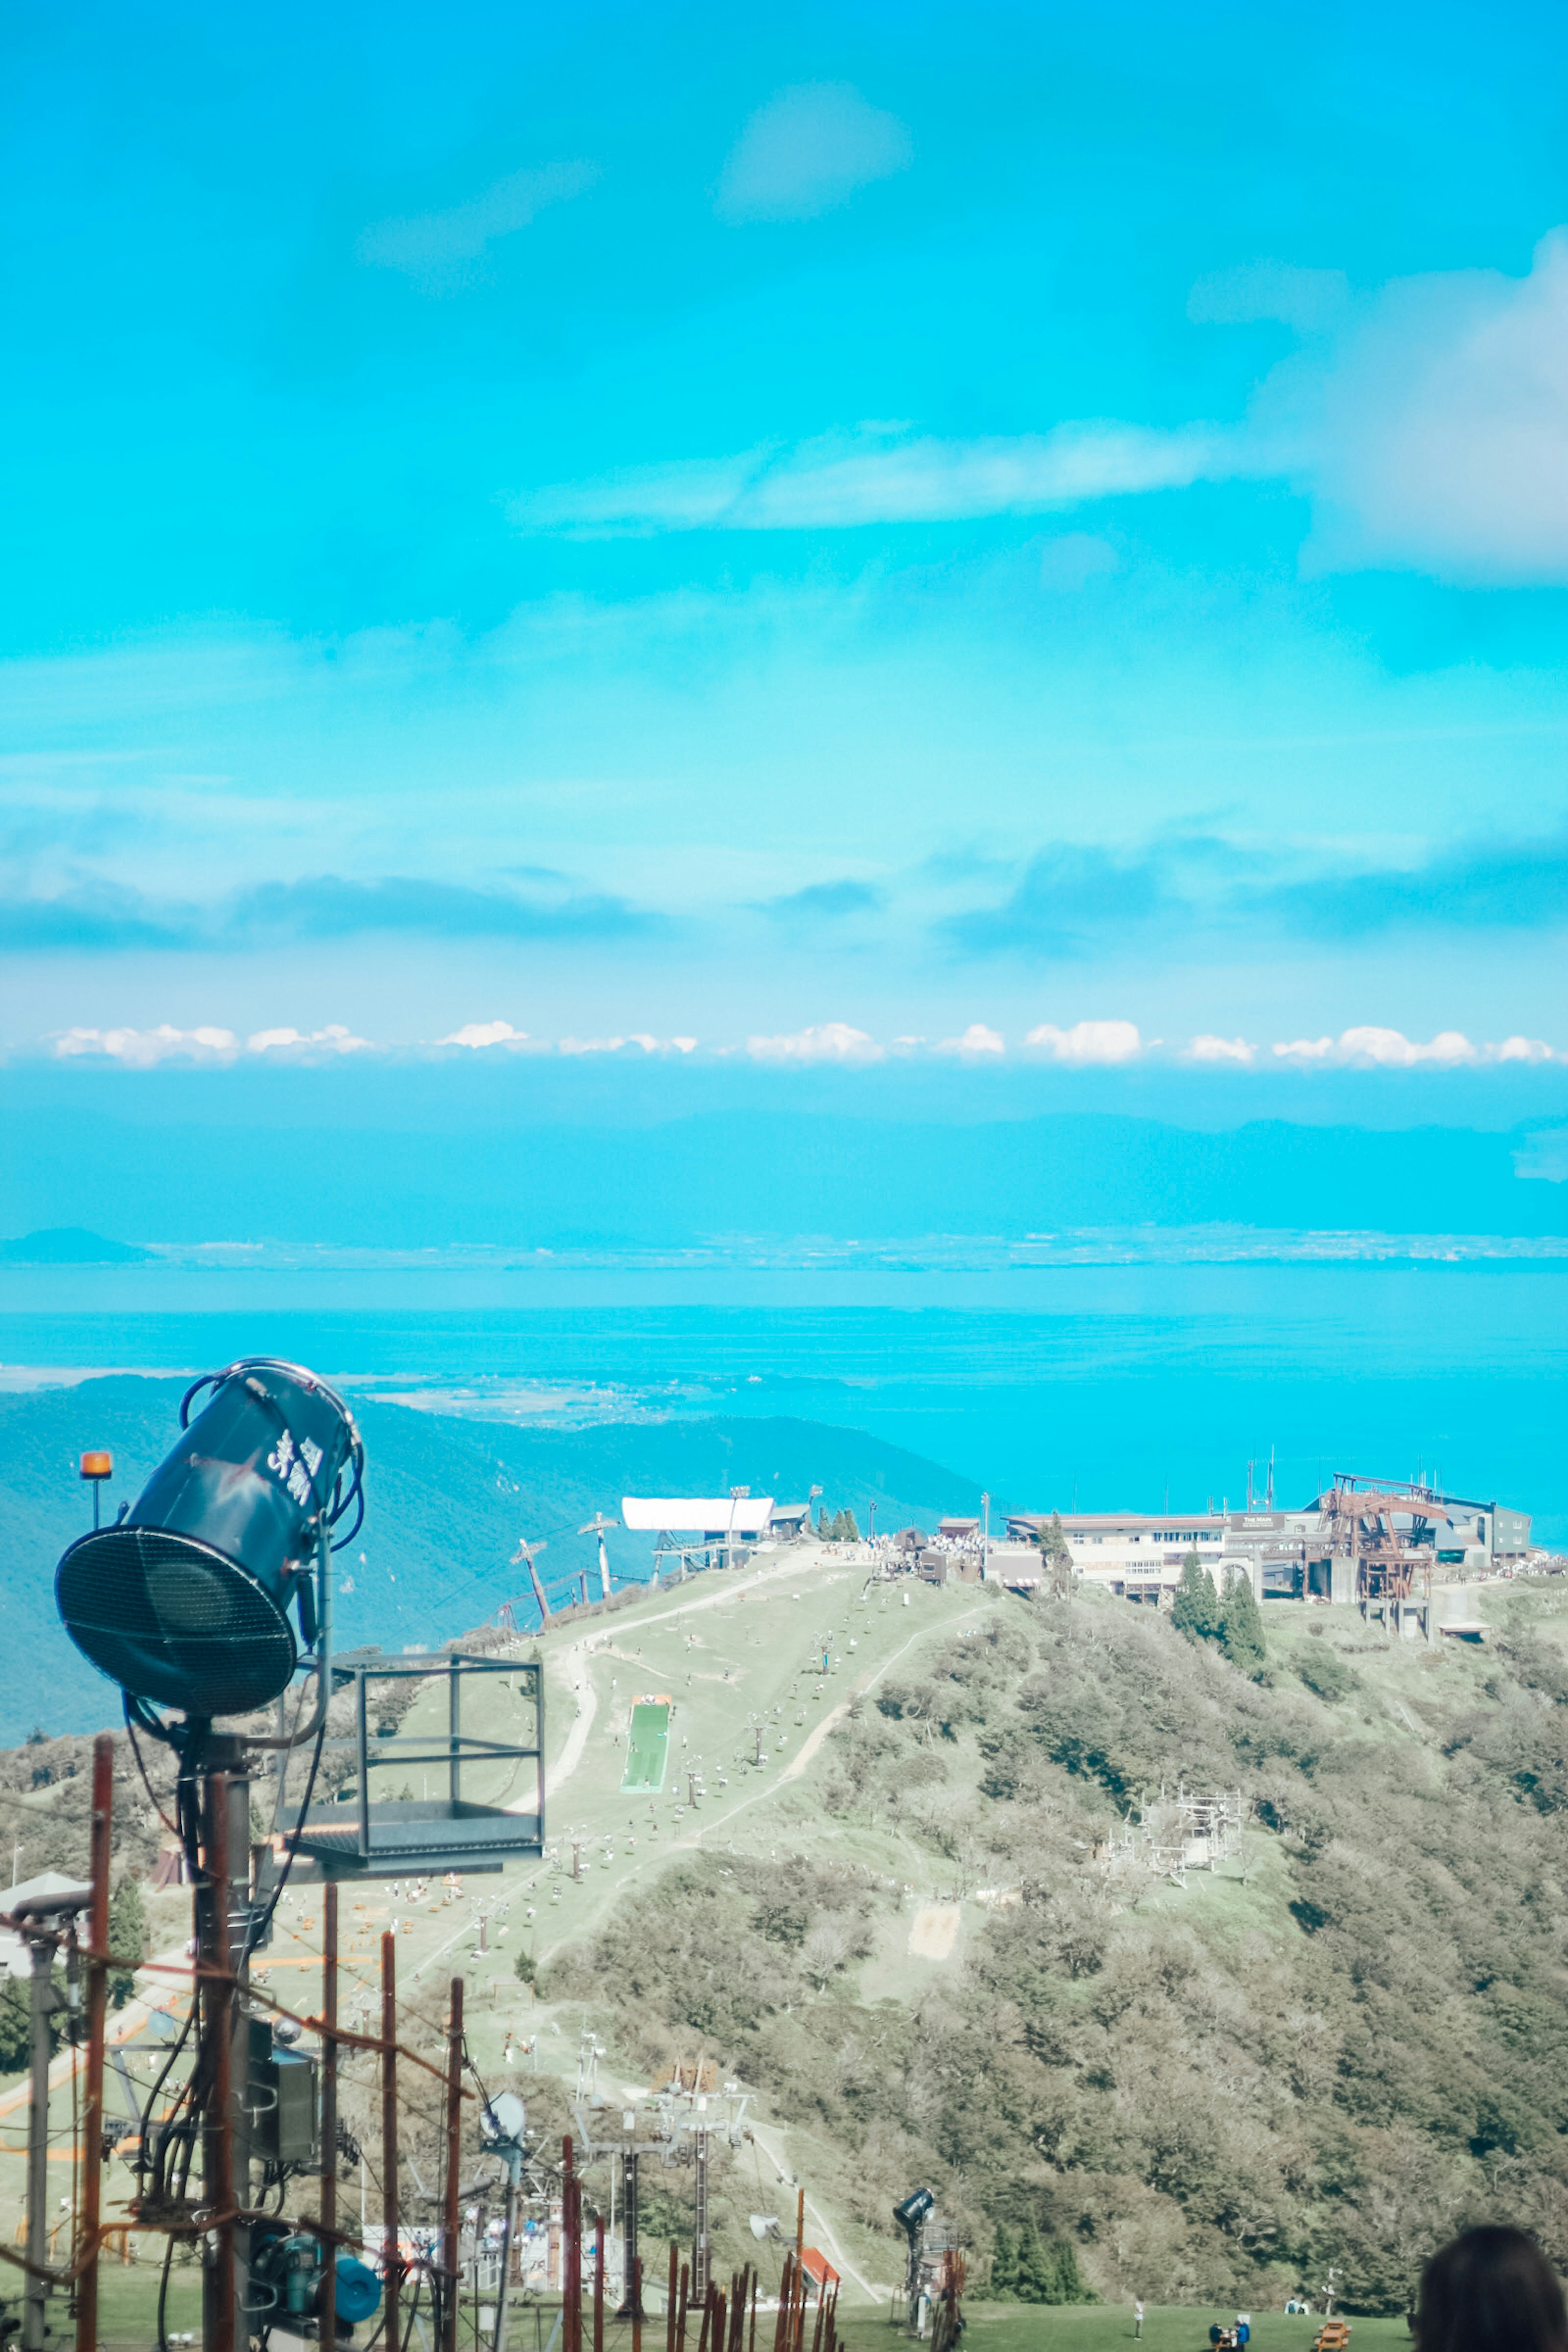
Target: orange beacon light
95,1467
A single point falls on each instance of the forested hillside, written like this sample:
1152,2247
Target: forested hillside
1329,2051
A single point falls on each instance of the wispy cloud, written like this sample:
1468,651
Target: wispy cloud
826,902
878,475
1436,425
1426,420
1072,897
480,1036
831,1041
1207,1049
977,1044
437,250
95,918
1478,885
142,1049
1065,898
1390,1049
294,1044
638,1041
806,150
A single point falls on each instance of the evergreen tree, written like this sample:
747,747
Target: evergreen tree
843,1530
1004,2284
1044,2270
1037,2272
1056,1558
16,2027
1053,1543
1241,1627
127,1937
1070,2284
1195,1610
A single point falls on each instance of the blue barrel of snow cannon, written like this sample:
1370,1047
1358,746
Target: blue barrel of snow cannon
185,1601
359,2289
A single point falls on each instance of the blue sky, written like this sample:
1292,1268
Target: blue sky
926,534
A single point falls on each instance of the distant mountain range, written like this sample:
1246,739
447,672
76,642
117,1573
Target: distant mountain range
685,1180
448,1500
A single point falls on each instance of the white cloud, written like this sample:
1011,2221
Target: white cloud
1370,1047
1436,432
877,474
1087,1042
141,1048
434,247
641,1038
1521,1049
1305,1049
978,1044
1222,1049
807,150
1391,1050
479,1035
333,1039
832,1041
1426,421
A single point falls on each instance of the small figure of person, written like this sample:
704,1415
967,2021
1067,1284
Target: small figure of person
1489,2290
1137,2320
1243,2328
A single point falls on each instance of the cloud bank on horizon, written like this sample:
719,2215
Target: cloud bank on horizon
1086,1044
744,540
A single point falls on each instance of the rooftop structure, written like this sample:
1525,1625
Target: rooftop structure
715,1517
1362,1539
699,1531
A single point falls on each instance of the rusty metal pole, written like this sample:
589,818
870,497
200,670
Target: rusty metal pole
571,2254
637,2303
217,2035
454,2169
598,2282
92,2103
391,2257
670,2300
329,2193
786,2303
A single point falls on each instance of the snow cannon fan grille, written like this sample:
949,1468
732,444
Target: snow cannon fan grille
185,1601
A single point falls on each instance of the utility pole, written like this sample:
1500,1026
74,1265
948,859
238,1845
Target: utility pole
985,1536
49,1912
631,2265
224,2032
700,2248
529,1553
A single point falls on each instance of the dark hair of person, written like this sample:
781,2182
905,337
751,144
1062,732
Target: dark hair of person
1491,2290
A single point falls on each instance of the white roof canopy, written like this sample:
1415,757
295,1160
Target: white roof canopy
747,1515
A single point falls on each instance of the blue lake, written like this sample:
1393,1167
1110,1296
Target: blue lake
1098,1386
